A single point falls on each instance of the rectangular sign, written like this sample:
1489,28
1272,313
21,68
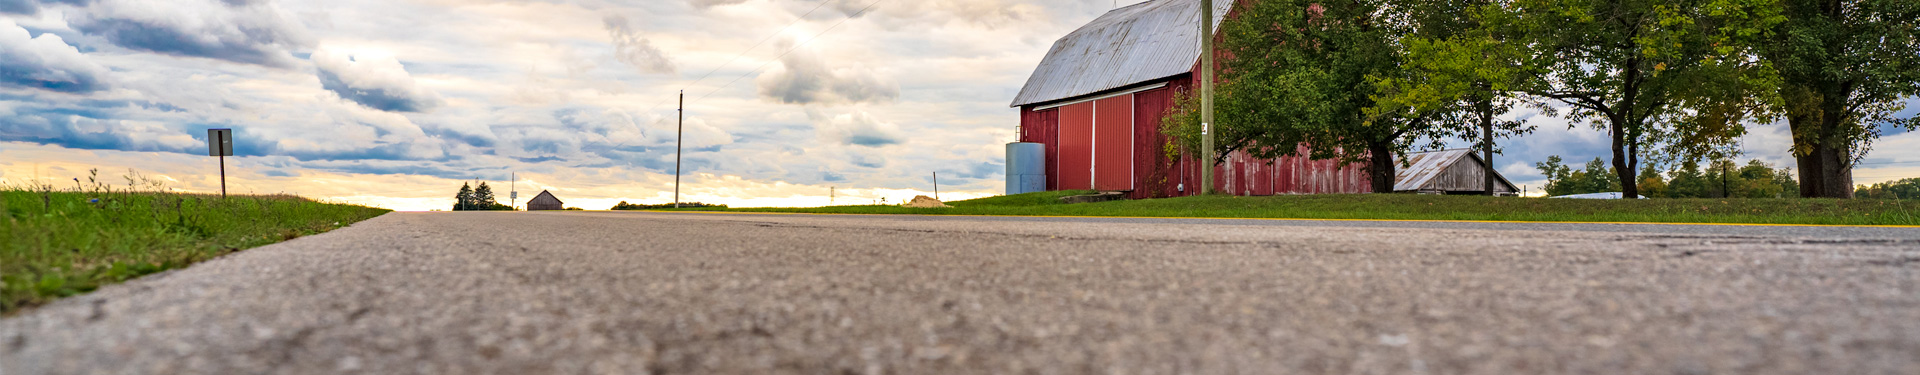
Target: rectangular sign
219,142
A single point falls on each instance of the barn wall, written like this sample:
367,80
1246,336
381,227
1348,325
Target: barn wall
1075,168
1043,127
1155,175
1113,146
1465,175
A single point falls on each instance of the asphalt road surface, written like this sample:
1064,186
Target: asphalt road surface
631,293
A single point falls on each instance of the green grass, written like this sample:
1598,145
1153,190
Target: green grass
1427,207
57,244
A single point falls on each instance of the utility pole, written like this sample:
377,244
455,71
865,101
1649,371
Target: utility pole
680,129
1206,97
513,191
936,185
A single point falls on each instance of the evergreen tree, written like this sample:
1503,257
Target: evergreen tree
464,199
1597,178
1688,182
483,198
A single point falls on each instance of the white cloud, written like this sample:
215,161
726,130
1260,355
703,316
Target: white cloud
251,32
805,78
635,50
374,80
858,128
45,62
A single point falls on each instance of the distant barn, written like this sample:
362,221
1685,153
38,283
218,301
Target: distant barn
1453,172
1096,102
545,202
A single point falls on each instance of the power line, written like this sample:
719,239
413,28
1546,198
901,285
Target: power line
790,50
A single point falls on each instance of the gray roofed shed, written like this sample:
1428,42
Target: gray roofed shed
1136,44
545,202
1457,171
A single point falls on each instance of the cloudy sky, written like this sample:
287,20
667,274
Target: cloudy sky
395,102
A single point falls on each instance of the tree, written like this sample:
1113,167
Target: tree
1845,66
1460,59
1688,182
1721,179
1648,72
1901,189
1564,180
1652,183
1303,72
464,199
483,198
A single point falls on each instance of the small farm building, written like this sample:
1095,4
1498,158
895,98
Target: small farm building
1457,171
545,202
1096,101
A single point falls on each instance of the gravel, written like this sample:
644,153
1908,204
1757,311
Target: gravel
627,293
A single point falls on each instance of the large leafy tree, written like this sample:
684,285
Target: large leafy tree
1461,57
1304,72
1650,73
1845,67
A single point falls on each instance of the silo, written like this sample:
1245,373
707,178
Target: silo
1026,168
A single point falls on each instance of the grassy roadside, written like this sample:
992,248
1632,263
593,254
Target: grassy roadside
56,244
1427,207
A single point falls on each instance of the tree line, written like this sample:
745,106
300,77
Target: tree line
1672,82
624,206
1717,179
1901,189
477,199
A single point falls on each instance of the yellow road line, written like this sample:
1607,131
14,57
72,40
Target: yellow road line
1335,220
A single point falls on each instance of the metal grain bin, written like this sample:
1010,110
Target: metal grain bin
1026,168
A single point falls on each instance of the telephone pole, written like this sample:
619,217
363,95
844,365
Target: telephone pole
1206,97
679,130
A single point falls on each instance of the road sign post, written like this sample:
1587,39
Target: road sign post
220,144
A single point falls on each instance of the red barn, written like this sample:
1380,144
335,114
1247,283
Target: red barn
1097,100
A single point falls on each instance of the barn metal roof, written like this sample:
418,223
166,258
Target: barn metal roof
1138,43
1428,165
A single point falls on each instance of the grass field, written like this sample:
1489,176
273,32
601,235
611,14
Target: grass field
1427,207
55,244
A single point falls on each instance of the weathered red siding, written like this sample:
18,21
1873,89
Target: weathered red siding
1154,174
1043,127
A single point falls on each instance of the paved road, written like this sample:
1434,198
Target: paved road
625,293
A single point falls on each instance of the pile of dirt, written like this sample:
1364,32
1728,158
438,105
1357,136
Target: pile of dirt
925,202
